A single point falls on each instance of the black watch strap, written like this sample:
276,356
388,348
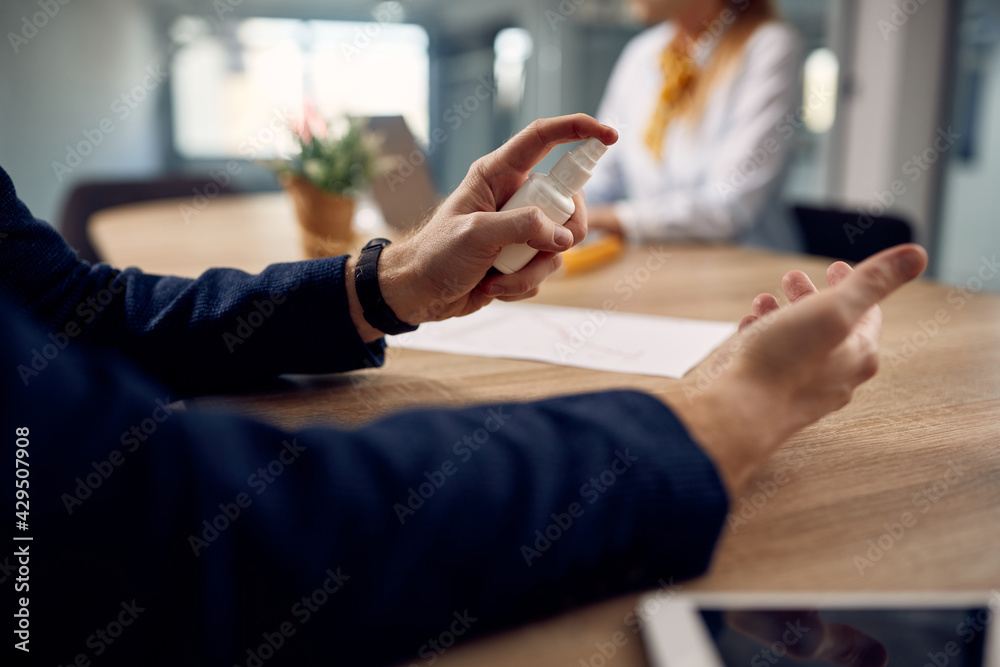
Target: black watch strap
376,311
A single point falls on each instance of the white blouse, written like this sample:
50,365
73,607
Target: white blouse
719,180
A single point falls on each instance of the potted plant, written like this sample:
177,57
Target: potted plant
323,180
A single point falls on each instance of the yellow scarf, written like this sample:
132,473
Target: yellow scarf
680,74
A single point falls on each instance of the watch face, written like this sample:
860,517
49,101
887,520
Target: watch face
376,243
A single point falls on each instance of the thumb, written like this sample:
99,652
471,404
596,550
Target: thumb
522,225
879,276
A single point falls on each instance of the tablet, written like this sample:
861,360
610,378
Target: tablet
806,630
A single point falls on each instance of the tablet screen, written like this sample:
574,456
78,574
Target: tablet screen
915,637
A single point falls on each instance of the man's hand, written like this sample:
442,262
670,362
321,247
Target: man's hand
788,367
441,271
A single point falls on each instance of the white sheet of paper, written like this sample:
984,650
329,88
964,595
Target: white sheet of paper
618,342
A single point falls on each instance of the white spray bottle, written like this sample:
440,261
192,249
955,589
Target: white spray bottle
553,193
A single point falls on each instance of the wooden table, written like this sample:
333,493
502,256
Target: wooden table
922,437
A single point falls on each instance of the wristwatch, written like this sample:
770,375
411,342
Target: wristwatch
376,311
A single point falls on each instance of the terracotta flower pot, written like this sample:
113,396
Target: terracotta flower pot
325,218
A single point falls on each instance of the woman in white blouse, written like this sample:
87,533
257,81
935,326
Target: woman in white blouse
705,103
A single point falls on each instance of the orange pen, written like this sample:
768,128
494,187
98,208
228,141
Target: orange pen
593,254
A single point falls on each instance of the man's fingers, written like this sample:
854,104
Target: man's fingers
577,224
530,294
747,321
493,231
764,304
879,276
796,285
836,273
826,319
524,281
527,148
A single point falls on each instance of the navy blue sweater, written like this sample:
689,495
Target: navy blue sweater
165,536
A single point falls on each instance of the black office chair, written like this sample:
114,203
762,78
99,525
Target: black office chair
848,235
88,198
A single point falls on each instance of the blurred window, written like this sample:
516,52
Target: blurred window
233,84
512,48
969,234
821,75
813,172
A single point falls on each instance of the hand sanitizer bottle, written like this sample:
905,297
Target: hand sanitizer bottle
553,193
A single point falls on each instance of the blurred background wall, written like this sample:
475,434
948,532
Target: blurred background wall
147,87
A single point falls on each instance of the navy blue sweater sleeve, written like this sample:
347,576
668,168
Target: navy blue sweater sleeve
221,540
218,331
